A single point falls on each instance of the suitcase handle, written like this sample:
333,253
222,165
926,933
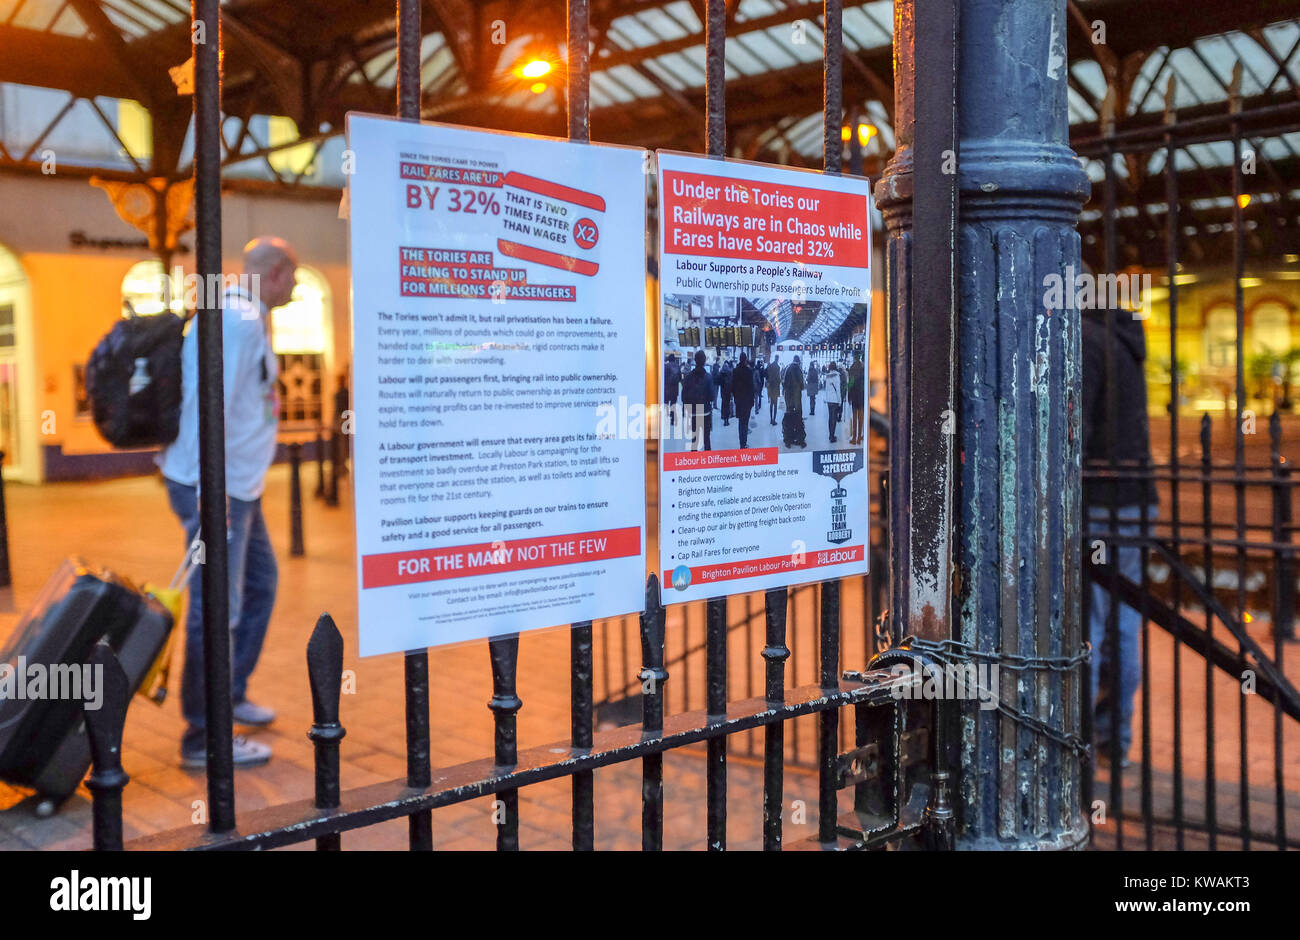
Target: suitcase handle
187,566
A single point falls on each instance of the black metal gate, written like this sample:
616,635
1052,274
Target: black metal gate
899,788
899,756
1217,540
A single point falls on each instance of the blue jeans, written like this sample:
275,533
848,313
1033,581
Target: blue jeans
253,575
1128,559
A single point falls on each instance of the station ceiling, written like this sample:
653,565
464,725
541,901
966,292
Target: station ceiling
315,60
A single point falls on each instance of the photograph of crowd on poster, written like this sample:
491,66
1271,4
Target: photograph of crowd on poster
498,307
765,298
755,385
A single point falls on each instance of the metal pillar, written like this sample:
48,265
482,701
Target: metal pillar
296,548
715,657
212,416
419,773
578,101
6,578
981,201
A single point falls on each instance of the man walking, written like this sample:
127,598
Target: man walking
1120,436
856,391
672,384
793,432
742,390
252,415
773,385
724,390
813,379
697,399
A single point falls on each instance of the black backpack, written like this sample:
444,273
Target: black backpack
133,381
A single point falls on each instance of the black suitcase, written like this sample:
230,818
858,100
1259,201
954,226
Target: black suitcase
43,742
792,430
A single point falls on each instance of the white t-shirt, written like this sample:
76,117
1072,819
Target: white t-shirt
252,402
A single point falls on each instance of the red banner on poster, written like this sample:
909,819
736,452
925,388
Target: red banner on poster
463,561
751,220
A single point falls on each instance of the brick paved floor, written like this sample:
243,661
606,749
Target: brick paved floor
125,524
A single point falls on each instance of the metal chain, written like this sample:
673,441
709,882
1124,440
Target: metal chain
1009,660
952,652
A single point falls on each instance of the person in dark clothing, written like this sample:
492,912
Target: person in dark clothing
773,385
814,377
742,390
856,392
793,432
760,379
697,397
672,385
341,404
1117,434
724,391
713,374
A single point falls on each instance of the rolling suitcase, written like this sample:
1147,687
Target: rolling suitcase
792,430
45,682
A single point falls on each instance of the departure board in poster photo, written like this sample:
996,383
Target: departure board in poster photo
765,293
498,302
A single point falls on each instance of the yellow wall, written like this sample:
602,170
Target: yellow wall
76,292
73,303
77,299
1206,386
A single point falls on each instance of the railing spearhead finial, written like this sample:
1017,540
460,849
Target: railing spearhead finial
325,670
104,728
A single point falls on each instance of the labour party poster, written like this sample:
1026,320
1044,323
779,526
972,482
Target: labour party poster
498,302
765,293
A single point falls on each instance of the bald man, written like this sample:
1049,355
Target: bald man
252,415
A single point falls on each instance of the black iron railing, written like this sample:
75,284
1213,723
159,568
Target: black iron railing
900,751
1217,549
899,791
1204,581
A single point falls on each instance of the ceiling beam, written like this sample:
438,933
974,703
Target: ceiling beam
151,84
1145,25
76,64
612,56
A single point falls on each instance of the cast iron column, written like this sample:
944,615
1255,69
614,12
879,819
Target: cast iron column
215,576
985,394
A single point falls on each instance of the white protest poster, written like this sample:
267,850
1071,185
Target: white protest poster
763,460
498,302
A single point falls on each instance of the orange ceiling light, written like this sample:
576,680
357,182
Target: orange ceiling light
535,68
865,133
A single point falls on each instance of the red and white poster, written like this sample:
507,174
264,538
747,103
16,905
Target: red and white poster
765,293
498,311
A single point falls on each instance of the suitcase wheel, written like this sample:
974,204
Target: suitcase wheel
47,806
